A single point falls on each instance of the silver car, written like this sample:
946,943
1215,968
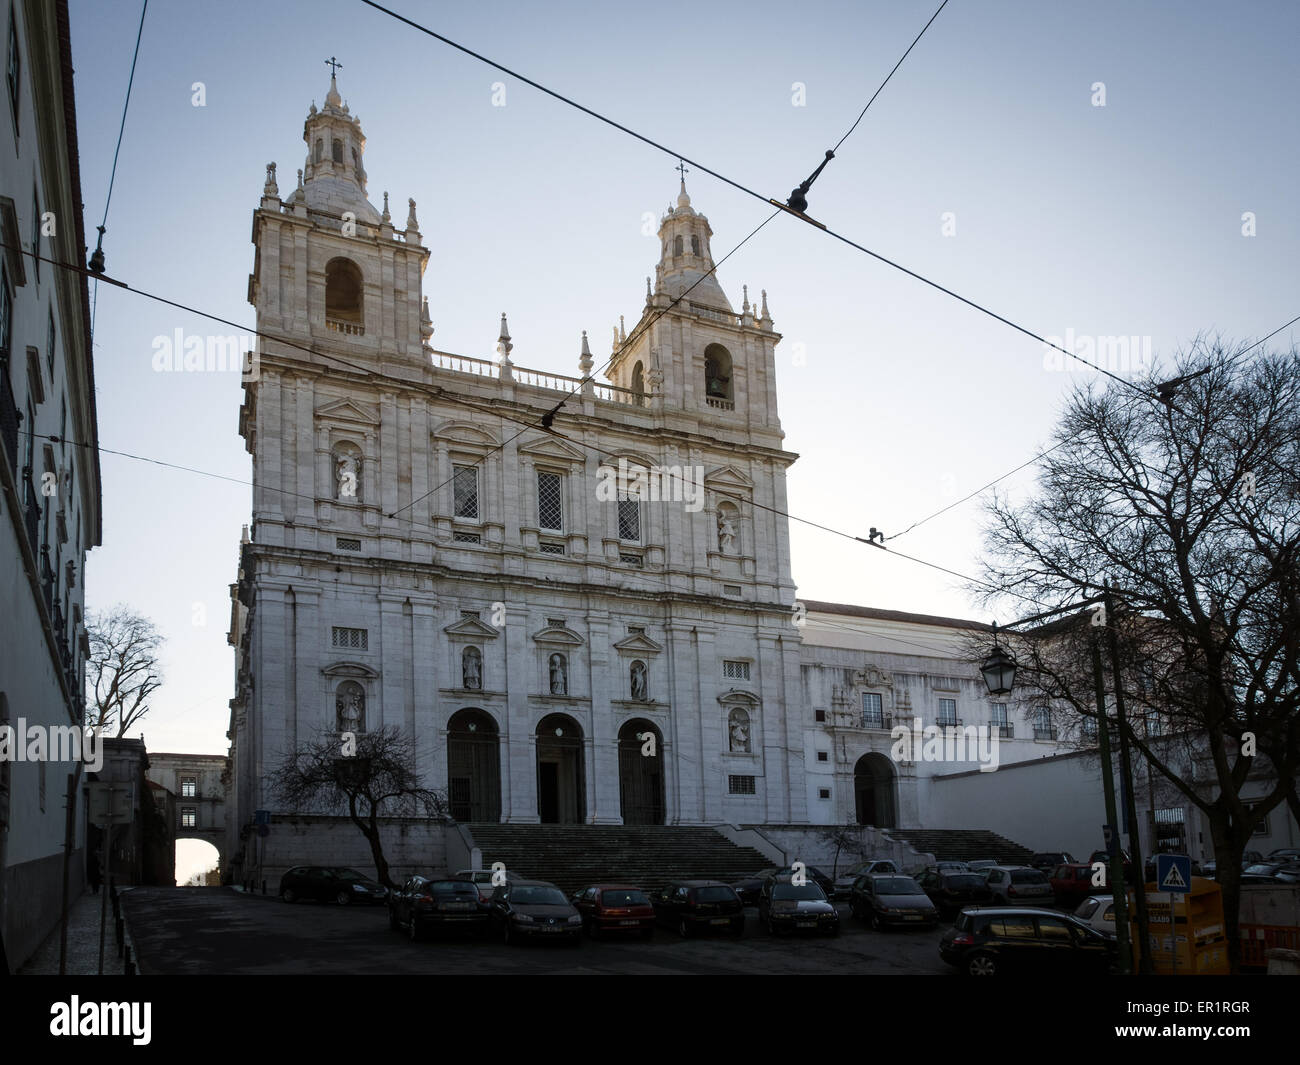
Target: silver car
1098,911
844,882
887,899
1018,884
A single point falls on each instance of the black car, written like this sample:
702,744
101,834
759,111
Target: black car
952,891
427,904
1049,860
527,909
327,883
787,907
698,906
887,899
1007,939
748,887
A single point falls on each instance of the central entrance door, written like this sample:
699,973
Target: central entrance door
560,796
473,767
640,776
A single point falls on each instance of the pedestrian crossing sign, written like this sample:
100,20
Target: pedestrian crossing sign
1174,873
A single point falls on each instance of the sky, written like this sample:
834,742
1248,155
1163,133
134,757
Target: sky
1068,215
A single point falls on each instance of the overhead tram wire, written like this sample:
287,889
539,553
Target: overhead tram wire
97,258
751,192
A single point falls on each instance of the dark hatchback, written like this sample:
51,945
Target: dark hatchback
692,906
328,883
1006,939
787,907
748,887
427,904
615,909
952,891
534,909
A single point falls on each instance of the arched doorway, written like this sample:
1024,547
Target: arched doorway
641,775
473,766
873,789
560,794
197,863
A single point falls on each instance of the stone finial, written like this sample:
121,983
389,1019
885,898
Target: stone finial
764,315
386,217
426,323
648,294
504,347
585,361
615,347
744,307
411,222
622,332
270,188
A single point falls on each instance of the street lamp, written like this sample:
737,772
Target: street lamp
999,669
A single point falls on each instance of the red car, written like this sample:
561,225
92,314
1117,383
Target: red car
1072,883
617,909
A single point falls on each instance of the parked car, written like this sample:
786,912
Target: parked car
1209,868
811,873
427,904
981,865
692,906
950,867
886,899
526,909
1284,854
1008,939
328,883
748,887
1013,884
1282,872
615,909
1049,860
844,882
1104,857
951,891
482,879
1071,883
787,907
1098,912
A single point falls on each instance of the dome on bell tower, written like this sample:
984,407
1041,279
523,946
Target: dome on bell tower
334,177
685,257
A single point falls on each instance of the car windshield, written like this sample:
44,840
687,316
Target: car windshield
349,874
622,897
1261,870
713,894
453,887
806,893
896,885
1027,876
538,896
963,880
1087,908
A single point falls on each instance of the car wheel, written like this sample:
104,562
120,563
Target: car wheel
981,964
343,898
683,929
413,929
289,895
876,923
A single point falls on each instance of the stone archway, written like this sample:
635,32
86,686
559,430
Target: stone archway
874,783
473,766
640,776
561,797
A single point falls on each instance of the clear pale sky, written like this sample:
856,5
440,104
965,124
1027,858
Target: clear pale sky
1115,220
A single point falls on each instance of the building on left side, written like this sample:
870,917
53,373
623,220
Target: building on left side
49,475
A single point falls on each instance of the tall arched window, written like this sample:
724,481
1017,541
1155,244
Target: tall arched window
677,245
1043,724
356,161
343,298
638,383
695,245
717,373
336,150
319,152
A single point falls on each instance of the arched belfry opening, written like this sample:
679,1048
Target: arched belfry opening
343,292
718,374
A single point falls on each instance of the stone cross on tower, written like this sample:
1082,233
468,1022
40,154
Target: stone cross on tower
683,170
333,64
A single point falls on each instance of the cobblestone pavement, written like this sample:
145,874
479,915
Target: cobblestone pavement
220,930
83,941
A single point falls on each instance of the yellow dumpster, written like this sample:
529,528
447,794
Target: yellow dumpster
1196,944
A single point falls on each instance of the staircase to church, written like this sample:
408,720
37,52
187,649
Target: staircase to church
574,856
962,844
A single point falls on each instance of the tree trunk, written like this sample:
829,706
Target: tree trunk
1227,855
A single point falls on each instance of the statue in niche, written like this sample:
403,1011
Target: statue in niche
559,675
471,669
640,686
347,475
350,707
726,532
739,732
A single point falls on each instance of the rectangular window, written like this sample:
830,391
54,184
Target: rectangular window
732,590
548,548
629,520
550,501
189,788
1260,829
741,785
12,67
465,489
873,710
346,543
458,537
823,793
350,639
555,623
819,715
735,670
947,711
189,817
631,560
999,713
821,756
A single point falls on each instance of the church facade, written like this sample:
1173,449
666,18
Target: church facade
538,607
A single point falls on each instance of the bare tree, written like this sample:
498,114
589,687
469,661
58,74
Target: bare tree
371,777
843,838
122,671
1185,500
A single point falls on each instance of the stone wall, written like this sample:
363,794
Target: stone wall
802,843
411,845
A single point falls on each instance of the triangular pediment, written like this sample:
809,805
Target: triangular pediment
349,410
548,447
638,644
471,629
558,635
464,433
727,476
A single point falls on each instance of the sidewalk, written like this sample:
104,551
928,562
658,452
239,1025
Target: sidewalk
83,942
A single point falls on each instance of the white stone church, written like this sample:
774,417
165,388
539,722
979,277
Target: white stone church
526,603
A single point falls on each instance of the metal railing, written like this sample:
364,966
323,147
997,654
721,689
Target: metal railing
1005,731
334,325
1044,733
720,404
871,720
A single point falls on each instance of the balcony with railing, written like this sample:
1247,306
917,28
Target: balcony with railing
875,719
542,379
720,404
949,721
1041,733
1005,730
352,329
